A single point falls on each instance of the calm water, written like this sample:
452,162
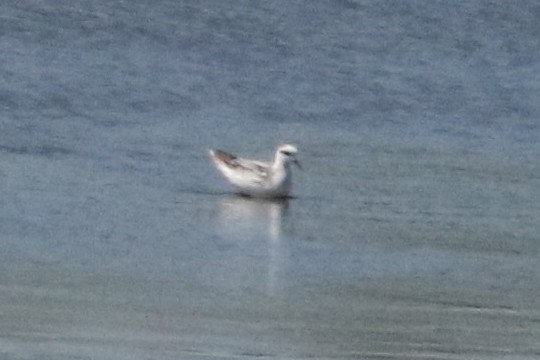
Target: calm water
414,230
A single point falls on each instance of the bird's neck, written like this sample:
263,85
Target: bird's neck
280,163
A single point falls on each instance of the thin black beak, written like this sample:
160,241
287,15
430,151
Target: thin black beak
295,160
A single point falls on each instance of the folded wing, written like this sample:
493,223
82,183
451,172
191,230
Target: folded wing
240,172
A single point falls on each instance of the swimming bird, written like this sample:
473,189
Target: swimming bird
257,178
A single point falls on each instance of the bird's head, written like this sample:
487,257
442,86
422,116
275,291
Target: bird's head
287,153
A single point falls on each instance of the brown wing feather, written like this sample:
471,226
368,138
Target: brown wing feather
256,171
227,158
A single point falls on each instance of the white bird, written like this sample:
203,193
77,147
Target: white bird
256,178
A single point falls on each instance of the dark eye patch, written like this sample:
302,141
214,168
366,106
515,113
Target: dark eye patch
286,152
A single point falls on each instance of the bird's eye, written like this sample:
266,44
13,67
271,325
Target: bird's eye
286,153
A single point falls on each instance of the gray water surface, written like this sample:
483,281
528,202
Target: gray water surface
413,232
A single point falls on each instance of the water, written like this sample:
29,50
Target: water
414,228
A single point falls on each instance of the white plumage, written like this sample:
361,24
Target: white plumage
256,178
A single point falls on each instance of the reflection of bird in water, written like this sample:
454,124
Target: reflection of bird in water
252,219
256,178
239,214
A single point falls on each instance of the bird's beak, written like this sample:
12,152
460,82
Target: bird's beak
295,160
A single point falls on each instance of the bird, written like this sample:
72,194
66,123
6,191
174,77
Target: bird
258,179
